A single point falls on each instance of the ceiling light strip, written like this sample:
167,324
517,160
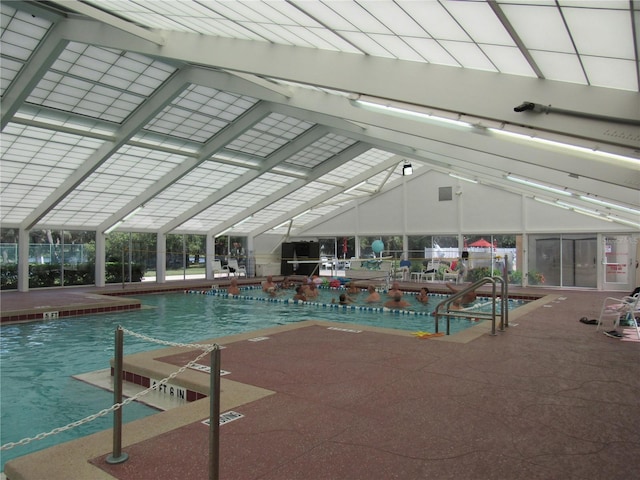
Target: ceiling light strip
566,146
609,205
538,185
470,180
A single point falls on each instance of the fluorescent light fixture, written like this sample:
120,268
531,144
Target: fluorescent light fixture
548,202
132,213
301,214
243,221
623,220
113,227
567,146
598,216
407,169
282,224
351,189
577,208
463,178
223,232
538,185
609,205
408,111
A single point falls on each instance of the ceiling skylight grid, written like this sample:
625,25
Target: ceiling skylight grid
200,112
21,33
50,92
240,198
269,135
320,150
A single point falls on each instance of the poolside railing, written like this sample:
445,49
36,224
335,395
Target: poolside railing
443,309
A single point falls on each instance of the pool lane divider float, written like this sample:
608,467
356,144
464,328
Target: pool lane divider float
398,311
223,294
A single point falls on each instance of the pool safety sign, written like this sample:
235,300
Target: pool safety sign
226,417
169,390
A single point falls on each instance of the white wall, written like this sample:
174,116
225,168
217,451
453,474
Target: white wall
412,207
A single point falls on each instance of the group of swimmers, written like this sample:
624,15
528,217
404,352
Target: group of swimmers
308,291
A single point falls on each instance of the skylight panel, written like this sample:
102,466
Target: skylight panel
312,38
268,135
359,17
611,72
469,55
599,32
367,44
559,66
432,51
8,72
508,60
394,18
330,38
276,34
479,22
325,15
539,27
397,47
434,19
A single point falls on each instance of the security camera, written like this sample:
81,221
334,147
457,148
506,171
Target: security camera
523,107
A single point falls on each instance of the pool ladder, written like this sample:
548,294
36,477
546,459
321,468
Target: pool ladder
443,308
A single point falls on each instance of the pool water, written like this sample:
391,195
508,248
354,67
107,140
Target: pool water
37,359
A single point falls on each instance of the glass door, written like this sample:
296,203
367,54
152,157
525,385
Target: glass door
617,262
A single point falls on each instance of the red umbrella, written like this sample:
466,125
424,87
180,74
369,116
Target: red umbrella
481,243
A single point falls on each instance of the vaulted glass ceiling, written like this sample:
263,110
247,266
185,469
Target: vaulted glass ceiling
130,118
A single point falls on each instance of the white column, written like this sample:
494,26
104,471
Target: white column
100,268
161,258
23,260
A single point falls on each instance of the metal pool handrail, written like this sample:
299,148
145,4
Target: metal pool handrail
504,315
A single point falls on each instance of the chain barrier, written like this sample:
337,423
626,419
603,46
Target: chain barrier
207,347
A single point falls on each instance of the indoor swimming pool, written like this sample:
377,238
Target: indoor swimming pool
39,358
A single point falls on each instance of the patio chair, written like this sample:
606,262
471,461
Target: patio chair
217,268
237,270
617,309
431,272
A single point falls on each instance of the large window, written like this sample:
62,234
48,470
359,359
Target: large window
493,255
8,258
185,256
61,257
392,246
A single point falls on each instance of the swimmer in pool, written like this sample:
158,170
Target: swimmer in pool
233,289
423,296
396,302
300,296
395,290
463,302
374,296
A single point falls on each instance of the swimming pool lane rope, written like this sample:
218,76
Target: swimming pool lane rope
223,294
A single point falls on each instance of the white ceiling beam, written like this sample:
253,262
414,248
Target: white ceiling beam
33,71
106,18
485,94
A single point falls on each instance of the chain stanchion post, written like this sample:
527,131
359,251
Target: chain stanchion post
214,416
117,456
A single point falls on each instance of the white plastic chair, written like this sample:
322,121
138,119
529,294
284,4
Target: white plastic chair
216,267
431,272
237,269
619,308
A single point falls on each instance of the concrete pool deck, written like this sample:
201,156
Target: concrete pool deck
548,398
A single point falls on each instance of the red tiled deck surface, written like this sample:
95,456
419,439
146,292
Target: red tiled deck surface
548,399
